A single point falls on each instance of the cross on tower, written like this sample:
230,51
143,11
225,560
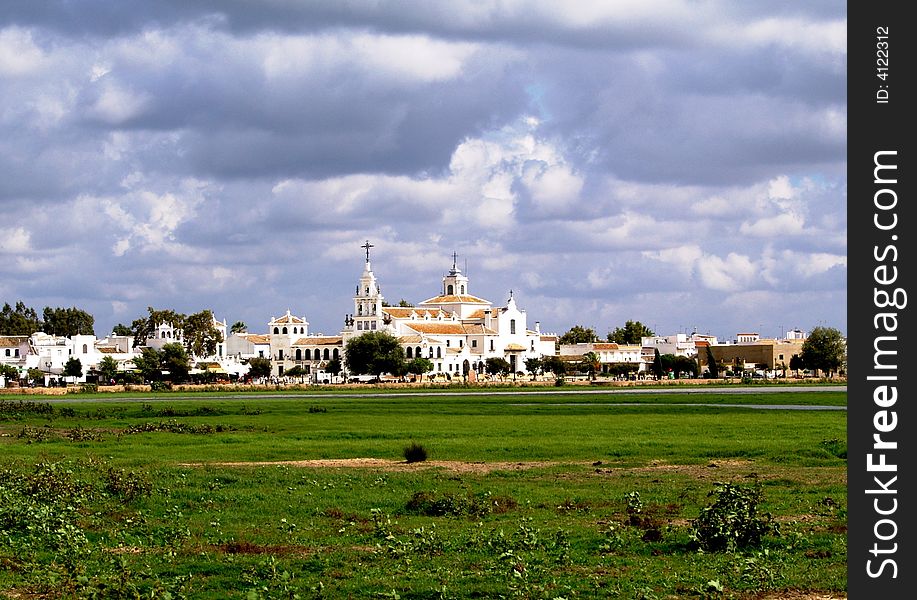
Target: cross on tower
367,245
454,257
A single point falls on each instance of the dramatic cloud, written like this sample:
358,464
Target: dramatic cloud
675,162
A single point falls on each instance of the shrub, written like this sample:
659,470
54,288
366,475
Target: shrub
732,522
415,453
127,485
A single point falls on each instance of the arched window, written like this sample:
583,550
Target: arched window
284,329
408,353
336,355
431,352
327,354
417,352
298,354
276,330
439,352
317,355
449,290
463,290
85,349
512,326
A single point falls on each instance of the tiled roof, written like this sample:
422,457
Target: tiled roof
548,338
455,299
107,349
12,341
605,346
258,338
438,328
478,329
410,339
514,348
405,313
288,319
319,341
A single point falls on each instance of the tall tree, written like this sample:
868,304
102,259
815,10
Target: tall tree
497,366
712,365
144,327
554,364
20,320
797,363
578,335
121,329
73,368
824,350
259,367
149,363
633,332
108,369
374,353
176,361
10,372
66,322
591,363
533,365
418,366
200,335
657,363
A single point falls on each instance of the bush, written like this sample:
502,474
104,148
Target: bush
732,523
415,453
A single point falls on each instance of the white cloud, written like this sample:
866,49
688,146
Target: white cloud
116,104
15,240
19,55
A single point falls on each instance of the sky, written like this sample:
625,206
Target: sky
677,162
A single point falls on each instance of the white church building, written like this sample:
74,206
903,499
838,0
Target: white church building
455,330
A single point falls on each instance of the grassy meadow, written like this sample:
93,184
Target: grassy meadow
521,496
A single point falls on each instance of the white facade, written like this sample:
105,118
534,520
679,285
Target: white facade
454,330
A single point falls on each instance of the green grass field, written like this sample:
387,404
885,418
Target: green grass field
522,496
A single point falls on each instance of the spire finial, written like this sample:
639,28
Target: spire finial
367,246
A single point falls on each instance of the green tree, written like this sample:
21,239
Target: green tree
684,364
657,364
334,366
20,320
374,353
259,367
712,365
533,365
143,328
200,335
419,366
296,371
590,363
35,375
796,363
108,369
824,350
67,322
121,329
73,368
578,335
632,333
176,361
497,366
149,364
238,327
554,364
9,372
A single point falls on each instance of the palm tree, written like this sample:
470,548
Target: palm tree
591,363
